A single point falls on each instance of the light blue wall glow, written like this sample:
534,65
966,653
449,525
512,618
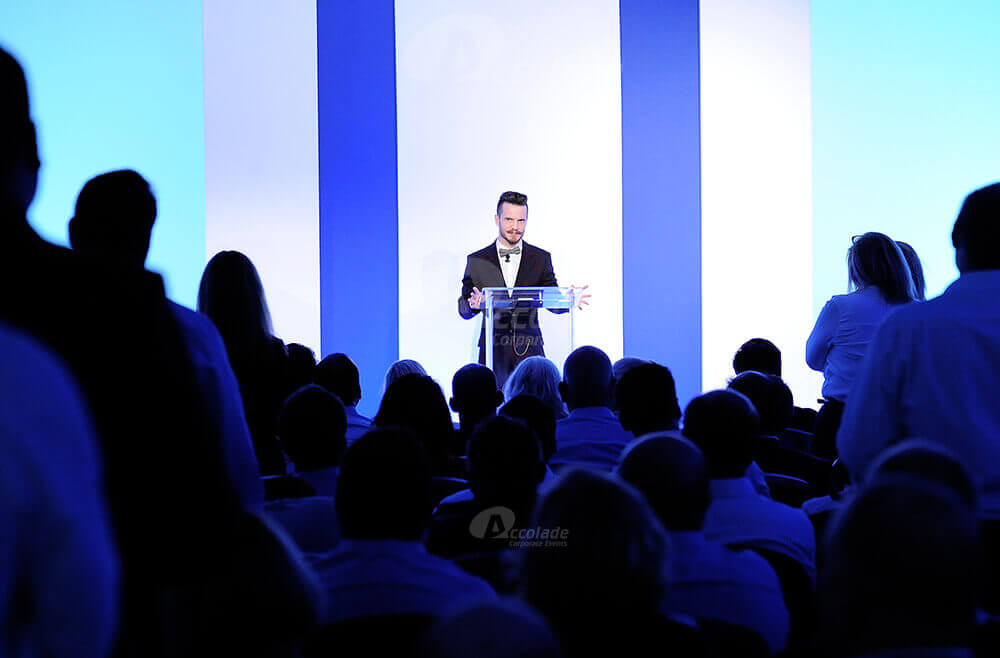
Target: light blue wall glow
118,84
904,125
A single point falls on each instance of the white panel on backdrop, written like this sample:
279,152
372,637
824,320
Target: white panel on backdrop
756,134
518,95
261,151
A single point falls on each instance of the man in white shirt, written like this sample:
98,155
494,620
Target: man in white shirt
933,369
507,263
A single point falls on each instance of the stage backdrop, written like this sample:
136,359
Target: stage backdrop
702,165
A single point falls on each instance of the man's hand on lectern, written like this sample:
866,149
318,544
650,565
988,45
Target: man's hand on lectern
581,299
476,299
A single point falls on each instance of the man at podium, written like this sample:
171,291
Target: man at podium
506,263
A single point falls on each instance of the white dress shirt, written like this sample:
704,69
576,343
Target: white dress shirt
933,371
509,270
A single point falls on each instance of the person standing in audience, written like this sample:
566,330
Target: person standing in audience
338,374
113,223
539,377
881,282
707,581
59,583
725,427
591,435
232,296
380,567
933,371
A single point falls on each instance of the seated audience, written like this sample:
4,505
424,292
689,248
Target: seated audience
618,370
601,581
400,368
339,375
725,426
903,572
880,282
59,585
380,567
311,427
591,435
539,377
761,355
475,397
232,296
647,400
505,469
113,223
301,365
707,581
416,402
495,629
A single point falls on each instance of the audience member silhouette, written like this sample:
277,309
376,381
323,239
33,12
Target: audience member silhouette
339,375
60,565
301,365
618,370
172,515
932,371
758,354
916,269
725,427
311,427
538,416
416,402
601,580
494,629
380,567
399,369
232,296
647,400
880,281
591,434
475,397
903,572
113,223
539,377
707,581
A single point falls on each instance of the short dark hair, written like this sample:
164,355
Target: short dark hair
977,230
338,374
311,427
538,416
115,212
505,463
384,487
587,379
758,354
513,198
770,396
725,427
647,399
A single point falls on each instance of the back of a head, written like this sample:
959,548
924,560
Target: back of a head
647,399
916,269
624,364
495,629
758,354
611,568
587,378
416,402
903,569
725,426
505,463
539,377
400,368
232,296
18,147
114,218
875,259
976,234
338,374
301,364
770,397
474,390
384,487
538,416
928,461
671,473
311,427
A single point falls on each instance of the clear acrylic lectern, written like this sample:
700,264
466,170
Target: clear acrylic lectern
514,311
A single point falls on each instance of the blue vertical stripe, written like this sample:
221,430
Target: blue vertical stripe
661,186
358,209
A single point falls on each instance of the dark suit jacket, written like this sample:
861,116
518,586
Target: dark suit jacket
482,270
